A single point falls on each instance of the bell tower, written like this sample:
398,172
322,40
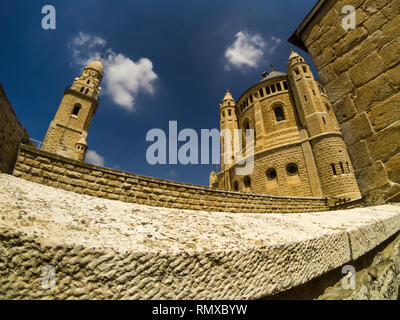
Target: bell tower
68,131
228,124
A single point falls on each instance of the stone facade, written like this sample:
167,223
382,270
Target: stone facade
68,131
298,147
53,170
360,69
12,133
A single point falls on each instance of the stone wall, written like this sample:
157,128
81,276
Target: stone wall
53,170
12,133
104,249
361,71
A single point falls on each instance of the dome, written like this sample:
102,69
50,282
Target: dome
82,142
96,65
293,54
272,74
228,96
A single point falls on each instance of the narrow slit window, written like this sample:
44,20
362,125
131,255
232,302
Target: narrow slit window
348,167
297,71
305,97
278,86
87,91
333,169
268,89
261,92
273,88
285,85
341,167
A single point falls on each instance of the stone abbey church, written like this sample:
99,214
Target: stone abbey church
298,146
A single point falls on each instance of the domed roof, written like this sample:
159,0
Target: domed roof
293,54
228,96
273,74
96,65
82,141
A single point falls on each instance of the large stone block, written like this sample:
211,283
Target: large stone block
325,57
385,113
372,177
360,155
375,22
373,93
352,38
391,53
392,10
344,109
369,68
386,143
339,87
393,168
357,129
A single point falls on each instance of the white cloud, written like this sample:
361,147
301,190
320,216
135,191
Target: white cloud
248,50
124,78
94,158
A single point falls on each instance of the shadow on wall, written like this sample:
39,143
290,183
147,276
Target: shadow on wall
375,278
12,133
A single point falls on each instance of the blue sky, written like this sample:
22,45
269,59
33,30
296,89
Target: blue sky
191,51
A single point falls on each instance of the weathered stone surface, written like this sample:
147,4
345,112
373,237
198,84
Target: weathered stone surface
339,87
360,156
385,143
373,93
344,109
372,177
369,68
357,129
391,53
393,168
386,113
129,251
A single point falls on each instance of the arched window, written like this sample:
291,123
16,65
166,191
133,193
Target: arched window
82,89
87,91
247,182
279,114
236,186
76,109
271,174
88,82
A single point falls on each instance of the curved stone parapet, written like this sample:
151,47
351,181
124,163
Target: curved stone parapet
106,249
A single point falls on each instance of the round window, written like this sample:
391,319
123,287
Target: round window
271,174
292,169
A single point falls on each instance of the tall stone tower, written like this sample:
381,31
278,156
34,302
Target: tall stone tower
68,131
229,124
320,127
